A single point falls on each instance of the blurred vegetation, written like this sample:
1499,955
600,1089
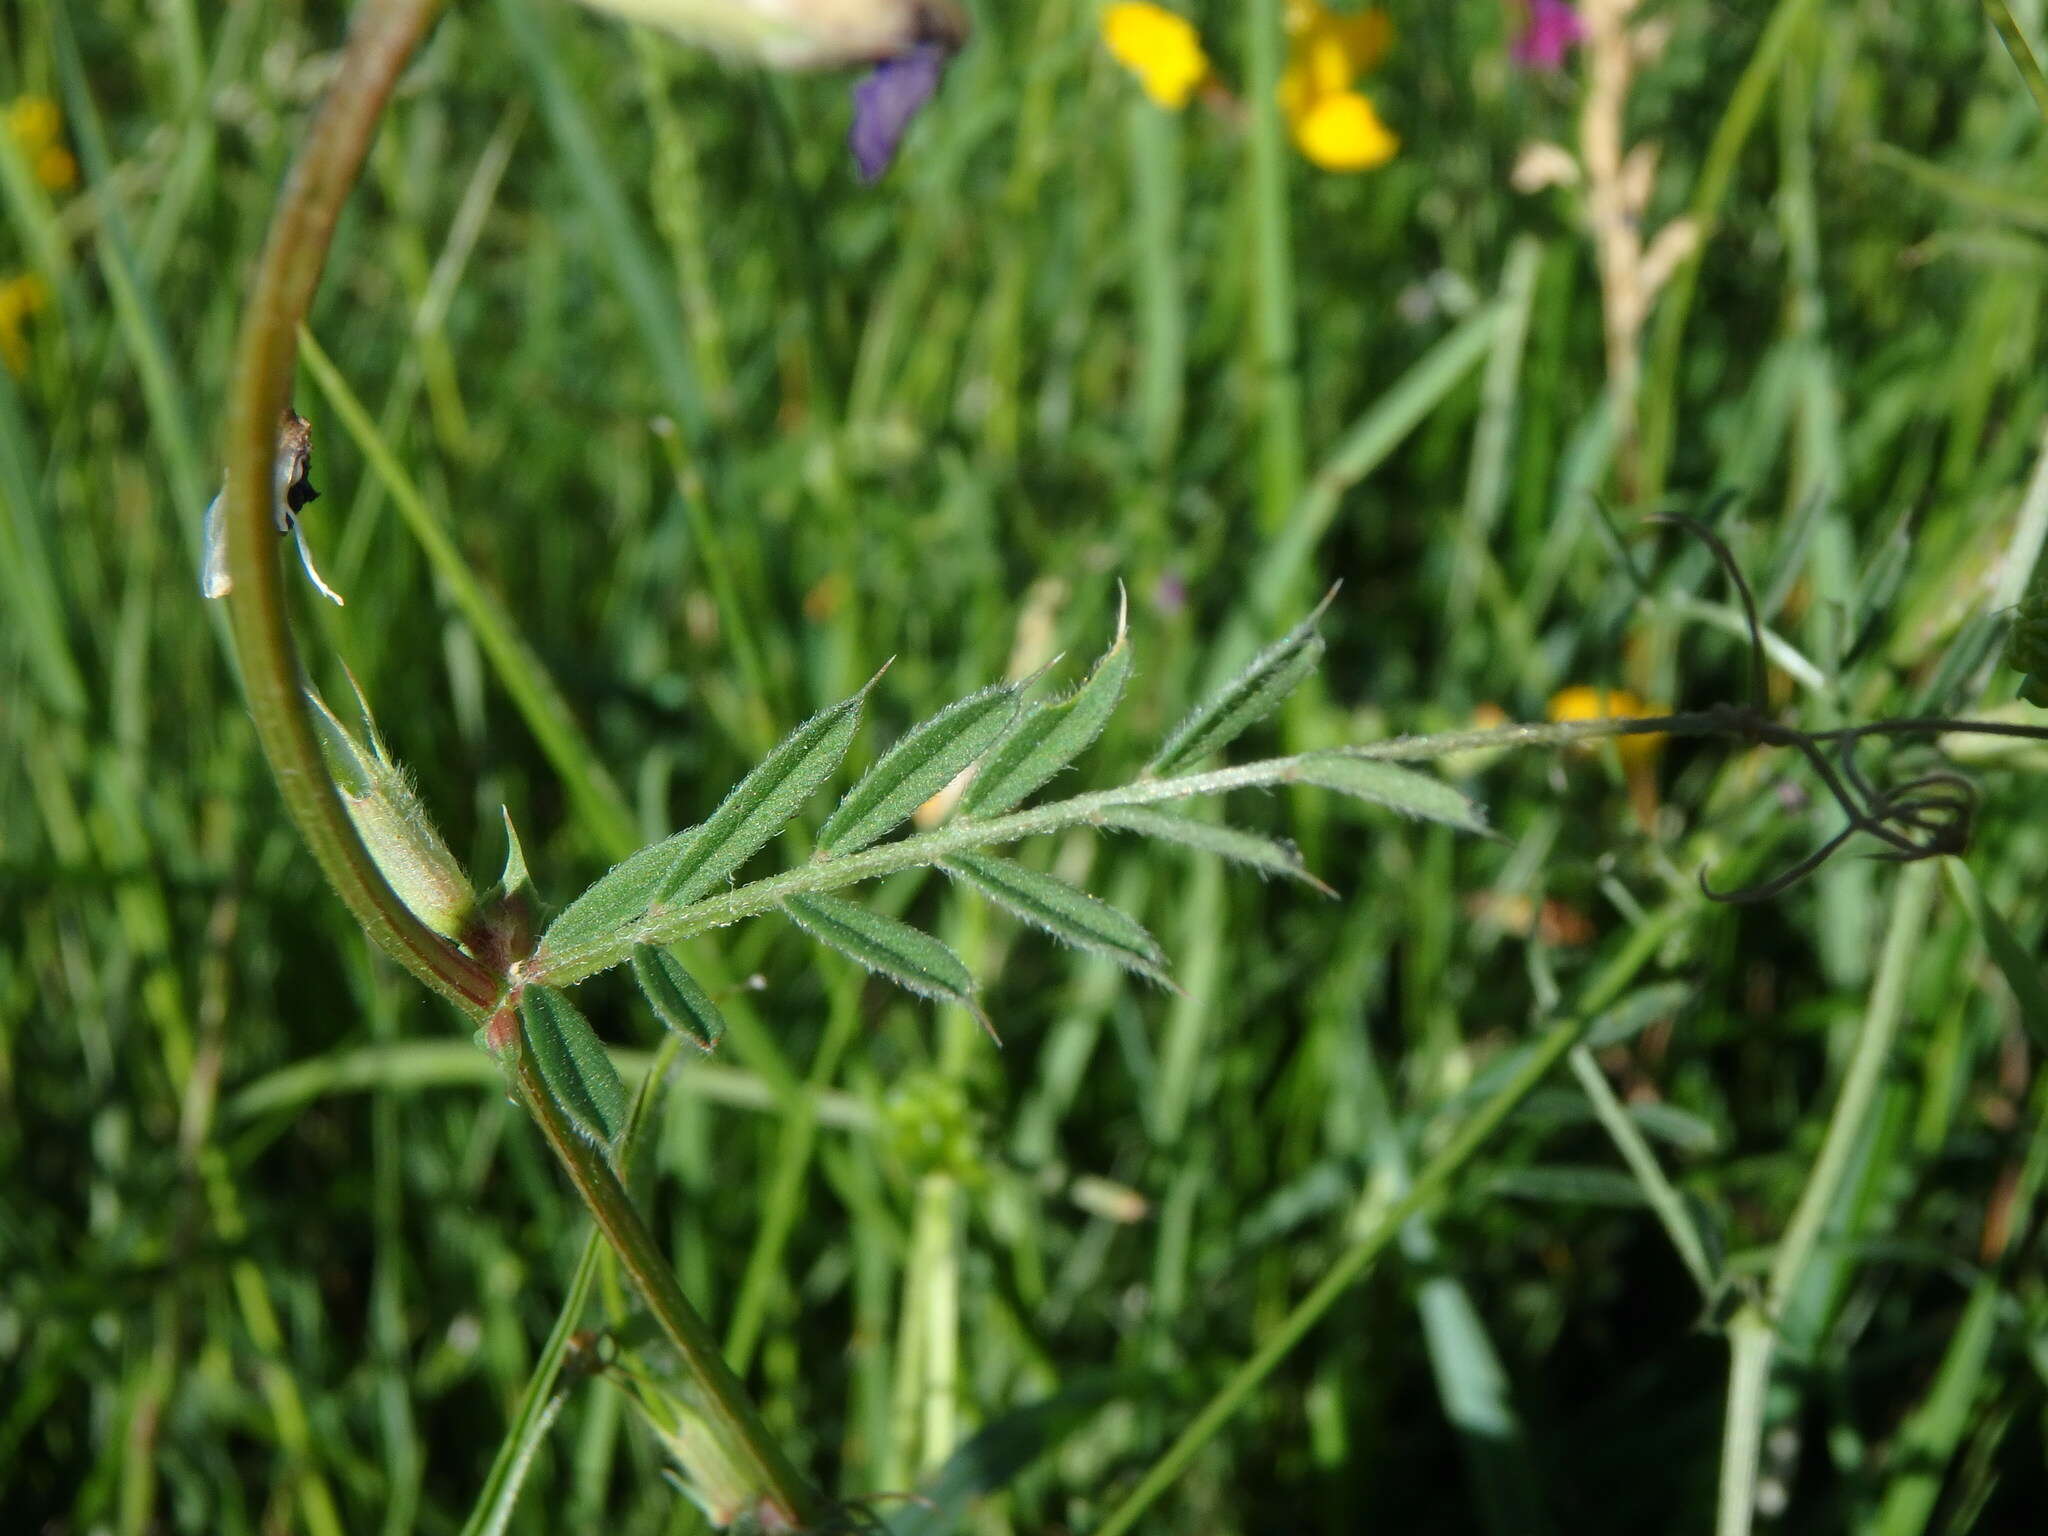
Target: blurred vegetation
716,431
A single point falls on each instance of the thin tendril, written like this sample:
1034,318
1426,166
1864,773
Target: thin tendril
1923,817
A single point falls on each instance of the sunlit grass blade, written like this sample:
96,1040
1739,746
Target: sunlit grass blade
924,762
1066,912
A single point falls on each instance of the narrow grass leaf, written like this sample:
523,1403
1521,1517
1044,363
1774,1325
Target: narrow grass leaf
574,1064
1268,855
1398,789
2019,969
1046,737
1568,1185
764,801
913,960
1928,1440
676,998
1246,699
918,767
1637,1012
1676,1127
1066,912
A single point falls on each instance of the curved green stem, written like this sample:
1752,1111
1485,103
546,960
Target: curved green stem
382,38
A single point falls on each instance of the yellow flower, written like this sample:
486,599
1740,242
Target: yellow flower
20,297
1334,124
56,169
1343,133
1162,49
1580,702
33,122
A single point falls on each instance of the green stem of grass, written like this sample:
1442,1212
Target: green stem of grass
1659,394
1272,271
1749,1370
1430,1185
382,37
2000,15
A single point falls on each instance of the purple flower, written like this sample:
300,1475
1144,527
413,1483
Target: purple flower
886,101
1552,28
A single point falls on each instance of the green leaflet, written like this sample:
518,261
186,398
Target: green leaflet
574,1064
918,767
676,998
1067,913
1046,737
1246,699
1398,789
763,801
1266,854
688,864
619,898
913,960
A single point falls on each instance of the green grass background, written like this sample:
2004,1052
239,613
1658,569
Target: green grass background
714,431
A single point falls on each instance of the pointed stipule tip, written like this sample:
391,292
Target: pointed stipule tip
1123,613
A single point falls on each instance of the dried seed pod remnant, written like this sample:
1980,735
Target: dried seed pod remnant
291,491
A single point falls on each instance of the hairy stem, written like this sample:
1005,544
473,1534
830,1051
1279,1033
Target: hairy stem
382,37
724,1402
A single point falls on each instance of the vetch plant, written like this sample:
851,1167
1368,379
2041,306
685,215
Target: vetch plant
379,851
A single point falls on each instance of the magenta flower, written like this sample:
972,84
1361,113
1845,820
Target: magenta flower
1553,26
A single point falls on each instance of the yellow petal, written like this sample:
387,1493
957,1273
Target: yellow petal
1580,702
1162,49
55,168
33,121
1342,132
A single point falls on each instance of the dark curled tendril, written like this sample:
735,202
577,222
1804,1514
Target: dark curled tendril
1923,817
